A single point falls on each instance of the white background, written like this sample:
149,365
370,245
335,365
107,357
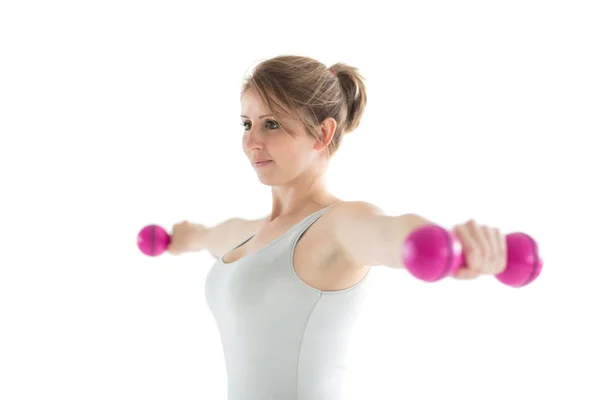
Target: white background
118,114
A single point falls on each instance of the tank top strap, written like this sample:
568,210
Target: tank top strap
294,232
307,222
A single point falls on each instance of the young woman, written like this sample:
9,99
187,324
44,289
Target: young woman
285,289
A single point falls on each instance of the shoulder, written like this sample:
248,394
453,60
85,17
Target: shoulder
354,209
346,217
355,229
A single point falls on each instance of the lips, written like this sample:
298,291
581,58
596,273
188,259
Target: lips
261,163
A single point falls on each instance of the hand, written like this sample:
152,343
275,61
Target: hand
484,249
186,237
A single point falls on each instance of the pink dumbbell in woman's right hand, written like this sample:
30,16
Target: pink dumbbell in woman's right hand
153,240
431,253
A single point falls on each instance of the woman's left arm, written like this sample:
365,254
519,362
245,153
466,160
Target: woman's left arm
370,237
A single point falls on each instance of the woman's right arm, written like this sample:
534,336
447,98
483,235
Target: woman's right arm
217,240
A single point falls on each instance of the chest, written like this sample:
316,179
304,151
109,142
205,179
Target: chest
316,259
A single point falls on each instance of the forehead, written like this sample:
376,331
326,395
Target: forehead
252,103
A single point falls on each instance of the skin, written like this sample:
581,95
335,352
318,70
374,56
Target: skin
363,234
297,171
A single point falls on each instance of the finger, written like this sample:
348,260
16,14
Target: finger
471,252
494,246
492,238
483,243
172,249
502,252
466,273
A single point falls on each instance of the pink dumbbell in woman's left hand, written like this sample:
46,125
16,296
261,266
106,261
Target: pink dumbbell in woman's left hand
431,253
153,240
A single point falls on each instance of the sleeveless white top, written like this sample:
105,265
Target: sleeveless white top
282,339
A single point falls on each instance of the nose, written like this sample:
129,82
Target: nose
253,139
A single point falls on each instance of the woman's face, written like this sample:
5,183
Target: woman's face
285,157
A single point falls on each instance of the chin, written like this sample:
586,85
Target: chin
267,181
270,179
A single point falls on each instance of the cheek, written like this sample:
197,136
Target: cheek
298,157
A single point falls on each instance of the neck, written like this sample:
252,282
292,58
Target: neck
304,192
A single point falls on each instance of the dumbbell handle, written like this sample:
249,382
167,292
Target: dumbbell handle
431,253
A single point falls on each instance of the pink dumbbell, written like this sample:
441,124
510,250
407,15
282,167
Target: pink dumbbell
153,240
431,253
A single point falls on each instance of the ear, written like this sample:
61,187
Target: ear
328,127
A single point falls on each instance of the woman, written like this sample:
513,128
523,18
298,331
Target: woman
285,289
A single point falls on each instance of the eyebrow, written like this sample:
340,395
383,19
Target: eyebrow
262,116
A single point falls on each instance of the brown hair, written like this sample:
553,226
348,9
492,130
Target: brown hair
311,92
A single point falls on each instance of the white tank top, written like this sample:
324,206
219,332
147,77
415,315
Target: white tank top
282,339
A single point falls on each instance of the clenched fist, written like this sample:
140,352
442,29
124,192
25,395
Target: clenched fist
186,237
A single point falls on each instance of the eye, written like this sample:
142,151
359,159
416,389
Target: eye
272,124
268,123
